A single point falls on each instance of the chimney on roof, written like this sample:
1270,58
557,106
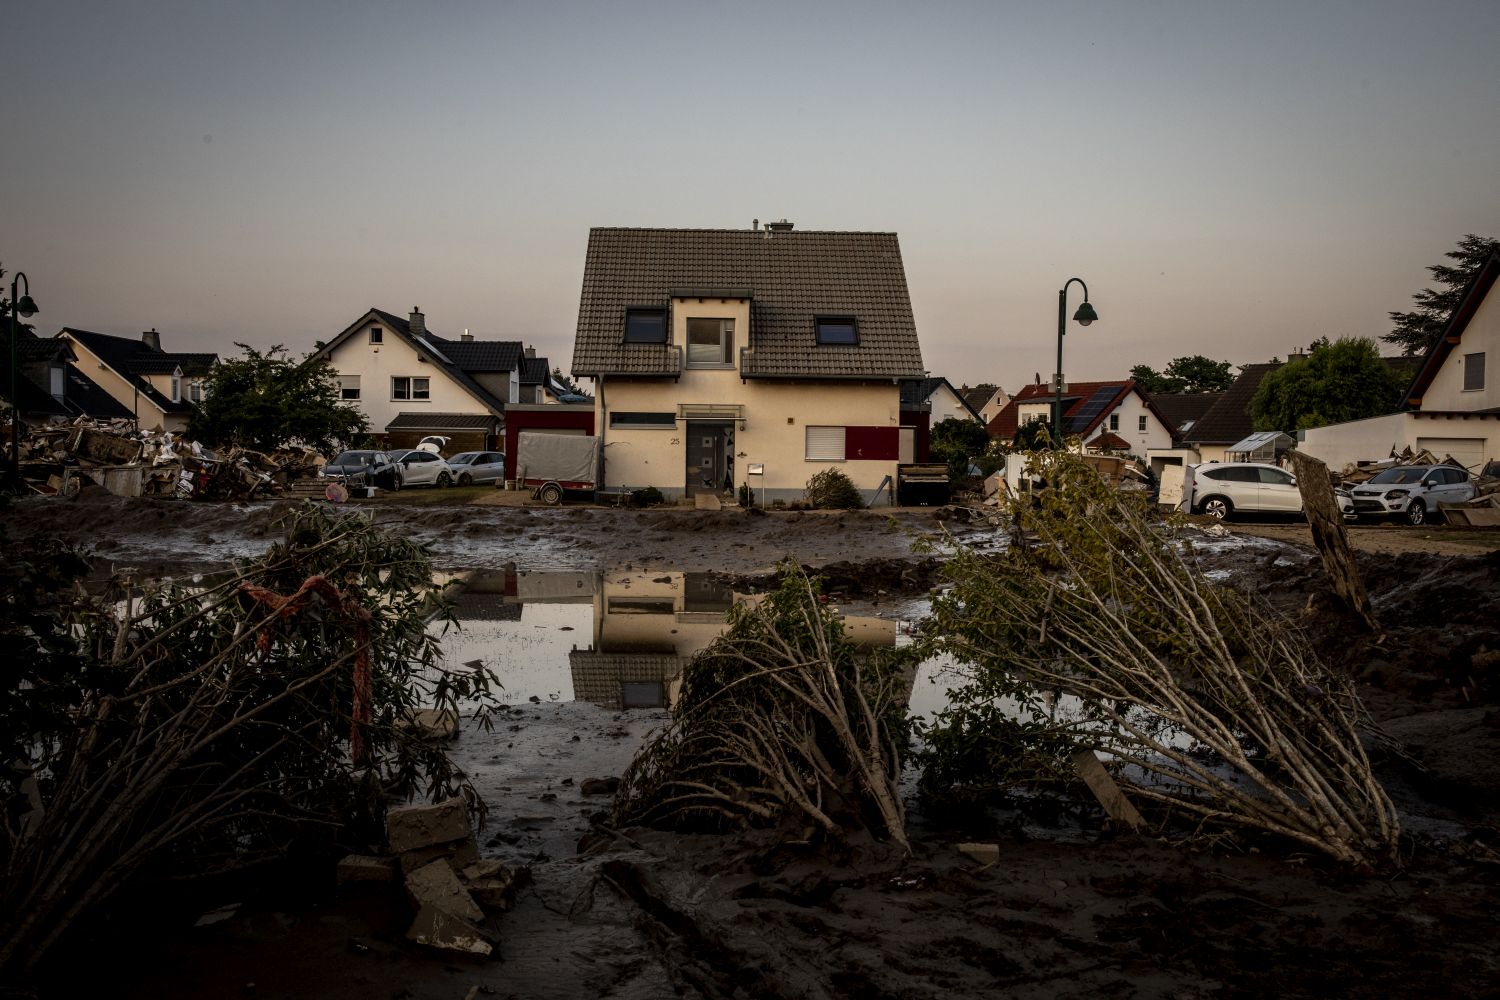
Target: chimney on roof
754,225
152,339
530,351
467,335
781,227
418,322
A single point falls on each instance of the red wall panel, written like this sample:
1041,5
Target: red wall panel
867,443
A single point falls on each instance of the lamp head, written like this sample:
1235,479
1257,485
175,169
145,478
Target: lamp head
1085,314
26,307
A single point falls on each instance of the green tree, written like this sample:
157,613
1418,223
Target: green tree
1415,331
1192,373
959,443
266,400
1338,381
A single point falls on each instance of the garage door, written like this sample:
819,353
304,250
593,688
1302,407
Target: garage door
1468,451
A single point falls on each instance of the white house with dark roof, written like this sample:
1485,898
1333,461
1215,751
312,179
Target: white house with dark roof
410,383
729,356
1452,406
157,388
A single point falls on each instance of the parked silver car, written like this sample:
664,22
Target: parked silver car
1220,489
1410,492
478,467
423,468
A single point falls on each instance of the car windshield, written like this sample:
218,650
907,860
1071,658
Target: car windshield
1400,474
354,458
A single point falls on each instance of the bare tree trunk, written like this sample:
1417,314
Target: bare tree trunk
1328,533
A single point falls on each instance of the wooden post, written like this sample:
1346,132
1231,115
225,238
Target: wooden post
1327,523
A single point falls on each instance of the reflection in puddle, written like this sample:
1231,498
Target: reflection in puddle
617,640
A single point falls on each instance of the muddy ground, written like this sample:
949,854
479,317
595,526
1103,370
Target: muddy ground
1070,909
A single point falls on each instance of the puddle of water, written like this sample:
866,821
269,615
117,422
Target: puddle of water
616,640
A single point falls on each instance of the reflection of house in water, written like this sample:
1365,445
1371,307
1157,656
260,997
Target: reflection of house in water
647,629
497,595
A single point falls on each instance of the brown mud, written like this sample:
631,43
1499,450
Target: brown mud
1071,909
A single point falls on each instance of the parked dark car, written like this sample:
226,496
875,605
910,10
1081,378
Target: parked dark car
365,468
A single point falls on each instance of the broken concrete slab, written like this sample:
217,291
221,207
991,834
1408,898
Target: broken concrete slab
434,723
458,853
437,928
1106,790
365,868
436,885
494,884
985,854
411,827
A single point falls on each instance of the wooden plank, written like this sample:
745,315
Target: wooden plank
1119,808
1327,524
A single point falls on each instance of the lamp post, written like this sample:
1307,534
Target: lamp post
1085,315
26,307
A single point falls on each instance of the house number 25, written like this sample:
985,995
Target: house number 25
677,440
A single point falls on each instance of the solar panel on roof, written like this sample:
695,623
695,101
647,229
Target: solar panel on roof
1078,421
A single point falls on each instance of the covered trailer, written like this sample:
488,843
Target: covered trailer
552,464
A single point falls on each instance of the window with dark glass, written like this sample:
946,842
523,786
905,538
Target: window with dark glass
645,326
837,330
634,418
376,334
709,342
1473,372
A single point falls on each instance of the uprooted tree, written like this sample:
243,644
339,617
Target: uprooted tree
201,729
781,720
1101,635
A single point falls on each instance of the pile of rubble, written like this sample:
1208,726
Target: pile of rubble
1359,472
455,895
60,459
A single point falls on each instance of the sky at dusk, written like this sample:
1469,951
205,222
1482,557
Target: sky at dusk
1233,180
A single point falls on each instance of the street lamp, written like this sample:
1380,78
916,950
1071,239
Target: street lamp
26,307
1085,315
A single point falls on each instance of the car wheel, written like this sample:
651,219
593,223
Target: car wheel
1416,514
551,494
464,479
444,480
1218,508
397,481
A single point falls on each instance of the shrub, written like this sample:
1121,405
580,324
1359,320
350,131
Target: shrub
832,490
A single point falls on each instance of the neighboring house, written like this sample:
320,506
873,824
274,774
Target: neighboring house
1105,416
729,356
409,382
938,398
1228,421
1452,406
157,389
986,402
1183,410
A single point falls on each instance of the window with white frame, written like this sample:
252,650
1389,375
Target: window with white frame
177,387
410,388
195,390
1140,423
57,379
1114,421
710,343
825,444
348,386
1473,372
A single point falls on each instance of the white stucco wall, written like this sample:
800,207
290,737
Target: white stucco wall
777,414
377,364
1482,335
148,417
1130,410
947,404
1368,440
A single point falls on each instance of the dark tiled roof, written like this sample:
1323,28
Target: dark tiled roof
534,371
794,275
1228,420
82,396
1184,407
436,346
162,363
481,355
31,348
1075,400
421,421
977,398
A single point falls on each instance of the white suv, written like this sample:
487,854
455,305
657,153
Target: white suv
1411,492
1219,489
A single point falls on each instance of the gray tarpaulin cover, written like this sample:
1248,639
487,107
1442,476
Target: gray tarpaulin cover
562,457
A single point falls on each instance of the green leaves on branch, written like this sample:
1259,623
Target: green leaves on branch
266,400
1336,382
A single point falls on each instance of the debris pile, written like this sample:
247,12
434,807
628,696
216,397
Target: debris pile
1355,472
60,459
432,851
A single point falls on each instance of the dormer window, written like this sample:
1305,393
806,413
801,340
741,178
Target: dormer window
177,386
836,329
57,381
710,343
377,335
646,326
